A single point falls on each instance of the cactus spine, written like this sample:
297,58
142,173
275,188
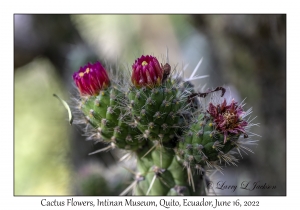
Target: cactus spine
159,118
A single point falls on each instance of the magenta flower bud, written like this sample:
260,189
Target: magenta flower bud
228,119
146,71
91,78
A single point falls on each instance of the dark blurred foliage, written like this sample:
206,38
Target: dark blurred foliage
249,51
246,51
54,37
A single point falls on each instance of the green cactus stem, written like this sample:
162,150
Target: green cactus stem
160,120
158,102
160,173
101,103
211,139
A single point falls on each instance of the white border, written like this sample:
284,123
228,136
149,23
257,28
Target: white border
112,6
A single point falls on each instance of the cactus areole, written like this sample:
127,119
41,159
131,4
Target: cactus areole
159,119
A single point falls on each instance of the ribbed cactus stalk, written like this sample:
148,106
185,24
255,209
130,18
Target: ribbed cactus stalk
156,100
159,117
212,138
101,104
159,172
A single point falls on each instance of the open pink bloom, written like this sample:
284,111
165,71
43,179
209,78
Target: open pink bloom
146,71
91,78
228,119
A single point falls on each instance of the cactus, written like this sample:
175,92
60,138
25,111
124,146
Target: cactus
213,136
161,119
159,172
157,102
101,105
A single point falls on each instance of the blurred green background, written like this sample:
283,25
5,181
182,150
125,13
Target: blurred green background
246,53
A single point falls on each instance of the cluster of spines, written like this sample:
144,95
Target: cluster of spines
158,111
